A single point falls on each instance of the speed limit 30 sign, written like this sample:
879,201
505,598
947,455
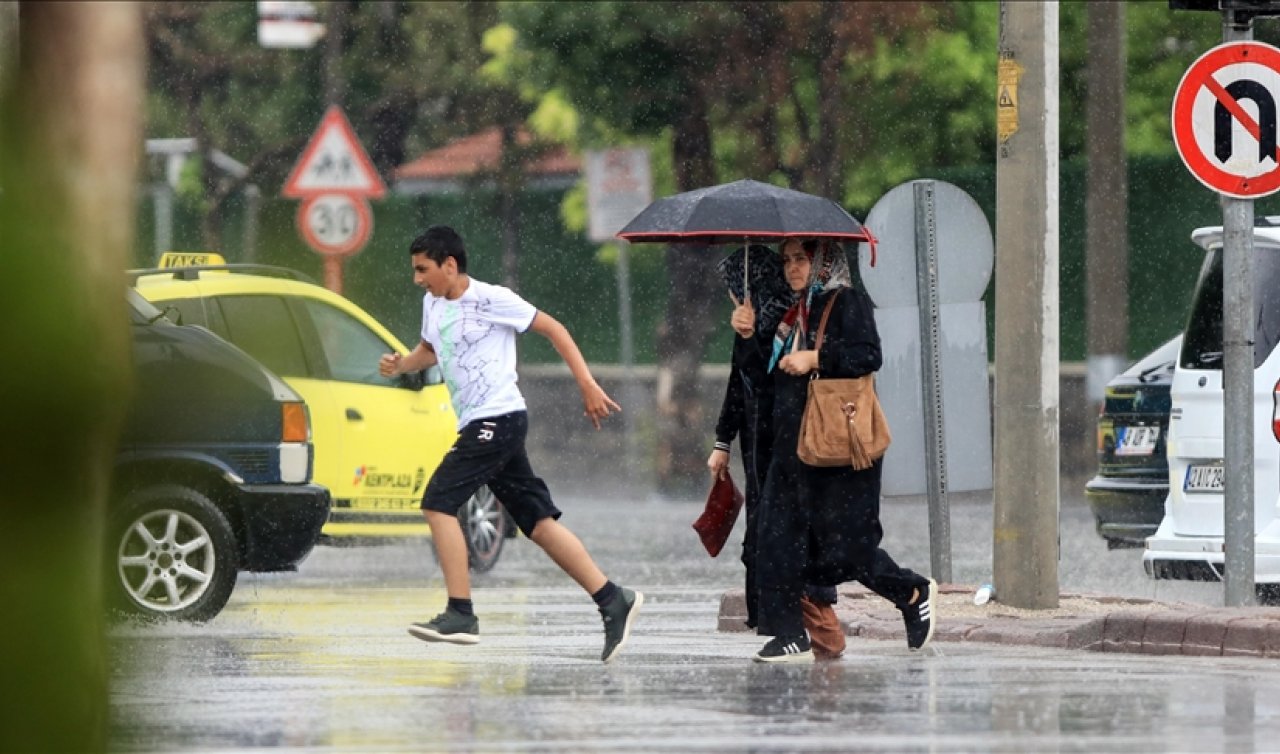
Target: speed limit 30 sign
1224,119
337,224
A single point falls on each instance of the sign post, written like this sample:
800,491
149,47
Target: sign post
335,179
619,187
1232,151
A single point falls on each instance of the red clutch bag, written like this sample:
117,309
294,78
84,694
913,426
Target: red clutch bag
717,519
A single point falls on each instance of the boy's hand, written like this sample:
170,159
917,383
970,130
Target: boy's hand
597,404
743,319
389,364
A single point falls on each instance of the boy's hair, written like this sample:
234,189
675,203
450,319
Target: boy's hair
439,242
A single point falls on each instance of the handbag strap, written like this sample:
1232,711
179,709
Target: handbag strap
822,325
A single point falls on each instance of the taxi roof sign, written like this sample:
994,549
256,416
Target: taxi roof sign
172,259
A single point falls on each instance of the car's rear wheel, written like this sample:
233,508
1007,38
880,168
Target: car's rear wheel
485,525
1267,594
172,554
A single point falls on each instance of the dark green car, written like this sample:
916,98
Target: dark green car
212,475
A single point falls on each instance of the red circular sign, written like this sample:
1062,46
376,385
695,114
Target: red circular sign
1204,92
337,224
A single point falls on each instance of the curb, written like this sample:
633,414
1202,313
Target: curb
1097,623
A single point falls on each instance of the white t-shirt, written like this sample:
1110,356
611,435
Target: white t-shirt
474,338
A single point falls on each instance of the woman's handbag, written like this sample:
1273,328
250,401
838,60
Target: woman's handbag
843,422
721,513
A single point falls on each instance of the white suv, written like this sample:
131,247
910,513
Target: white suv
1189,542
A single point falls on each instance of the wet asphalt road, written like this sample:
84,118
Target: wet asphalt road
319,661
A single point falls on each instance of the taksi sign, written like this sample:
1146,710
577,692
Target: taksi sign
335,179
1225,119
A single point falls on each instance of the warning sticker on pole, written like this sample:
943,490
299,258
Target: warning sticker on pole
1008,73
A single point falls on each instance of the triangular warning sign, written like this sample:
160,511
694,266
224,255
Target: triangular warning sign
1005,100
334,162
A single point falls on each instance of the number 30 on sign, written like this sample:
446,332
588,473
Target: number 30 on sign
338,224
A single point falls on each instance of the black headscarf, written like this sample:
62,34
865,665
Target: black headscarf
770,294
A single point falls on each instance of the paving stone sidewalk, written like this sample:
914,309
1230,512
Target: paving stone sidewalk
1093,622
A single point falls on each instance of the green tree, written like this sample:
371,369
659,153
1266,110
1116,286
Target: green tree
404,72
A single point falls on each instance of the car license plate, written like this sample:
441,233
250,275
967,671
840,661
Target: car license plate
1203,479
1136,441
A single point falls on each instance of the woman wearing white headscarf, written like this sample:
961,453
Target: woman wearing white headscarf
822,525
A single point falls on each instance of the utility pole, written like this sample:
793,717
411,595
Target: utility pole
1026,538
1106,201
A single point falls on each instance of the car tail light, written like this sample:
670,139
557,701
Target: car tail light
1275,411
296,428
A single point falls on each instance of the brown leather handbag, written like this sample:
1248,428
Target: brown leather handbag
843,422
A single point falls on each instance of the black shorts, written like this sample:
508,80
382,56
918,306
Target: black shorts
491,451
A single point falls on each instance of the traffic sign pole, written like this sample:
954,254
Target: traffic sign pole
335,179
1237,375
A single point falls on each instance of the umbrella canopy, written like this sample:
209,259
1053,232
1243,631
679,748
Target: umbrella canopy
730,212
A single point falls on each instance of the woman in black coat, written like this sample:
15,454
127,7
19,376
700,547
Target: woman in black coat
753,276
822,525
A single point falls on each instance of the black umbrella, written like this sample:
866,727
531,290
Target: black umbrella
732,212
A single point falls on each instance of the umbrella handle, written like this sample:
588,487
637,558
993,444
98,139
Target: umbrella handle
746,270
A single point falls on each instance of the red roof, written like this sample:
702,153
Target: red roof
479,152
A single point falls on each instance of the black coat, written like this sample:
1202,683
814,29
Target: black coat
827,516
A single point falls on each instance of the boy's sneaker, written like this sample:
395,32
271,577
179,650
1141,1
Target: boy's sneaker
618,617
451,626
920,617
790,649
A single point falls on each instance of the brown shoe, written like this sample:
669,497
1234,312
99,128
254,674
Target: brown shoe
826,636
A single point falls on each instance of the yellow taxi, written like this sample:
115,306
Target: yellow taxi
377,440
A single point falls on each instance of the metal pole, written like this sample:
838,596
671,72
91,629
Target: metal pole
1025,545
252,207
1237,377
162,204
626,357
935,450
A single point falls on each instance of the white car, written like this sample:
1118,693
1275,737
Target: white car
1188,545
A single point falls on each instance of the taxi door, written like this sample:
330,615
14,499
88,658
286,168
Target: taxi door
392,437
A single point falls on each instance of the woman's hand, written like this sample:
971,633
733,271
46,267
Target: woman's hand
718,463
800,362
743,319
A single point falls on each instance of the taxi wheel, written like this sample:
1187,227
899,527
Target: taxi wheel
485,525
171,554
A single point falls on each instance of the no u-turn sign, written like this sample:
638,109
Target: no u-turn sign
1225,119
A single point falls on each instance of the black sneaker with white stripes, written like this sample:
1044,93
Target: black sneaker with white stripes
920,617
791,649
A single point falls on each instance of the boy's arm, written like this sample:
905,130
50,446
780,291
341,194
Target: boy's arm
421,357
594,399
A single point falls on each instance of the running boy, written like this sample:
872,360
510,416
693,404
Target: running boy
469,328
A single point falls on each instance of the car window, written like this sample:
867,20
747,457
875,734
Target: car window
351,349
191,310
263,327
1202,344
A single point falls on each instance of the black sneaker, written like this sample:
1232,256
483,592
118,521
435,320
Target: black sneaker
451,626
920,617
618,617
789,649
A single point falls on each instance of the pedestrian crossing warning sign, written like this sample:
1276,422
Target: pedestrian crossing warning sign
334,162
1008,72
